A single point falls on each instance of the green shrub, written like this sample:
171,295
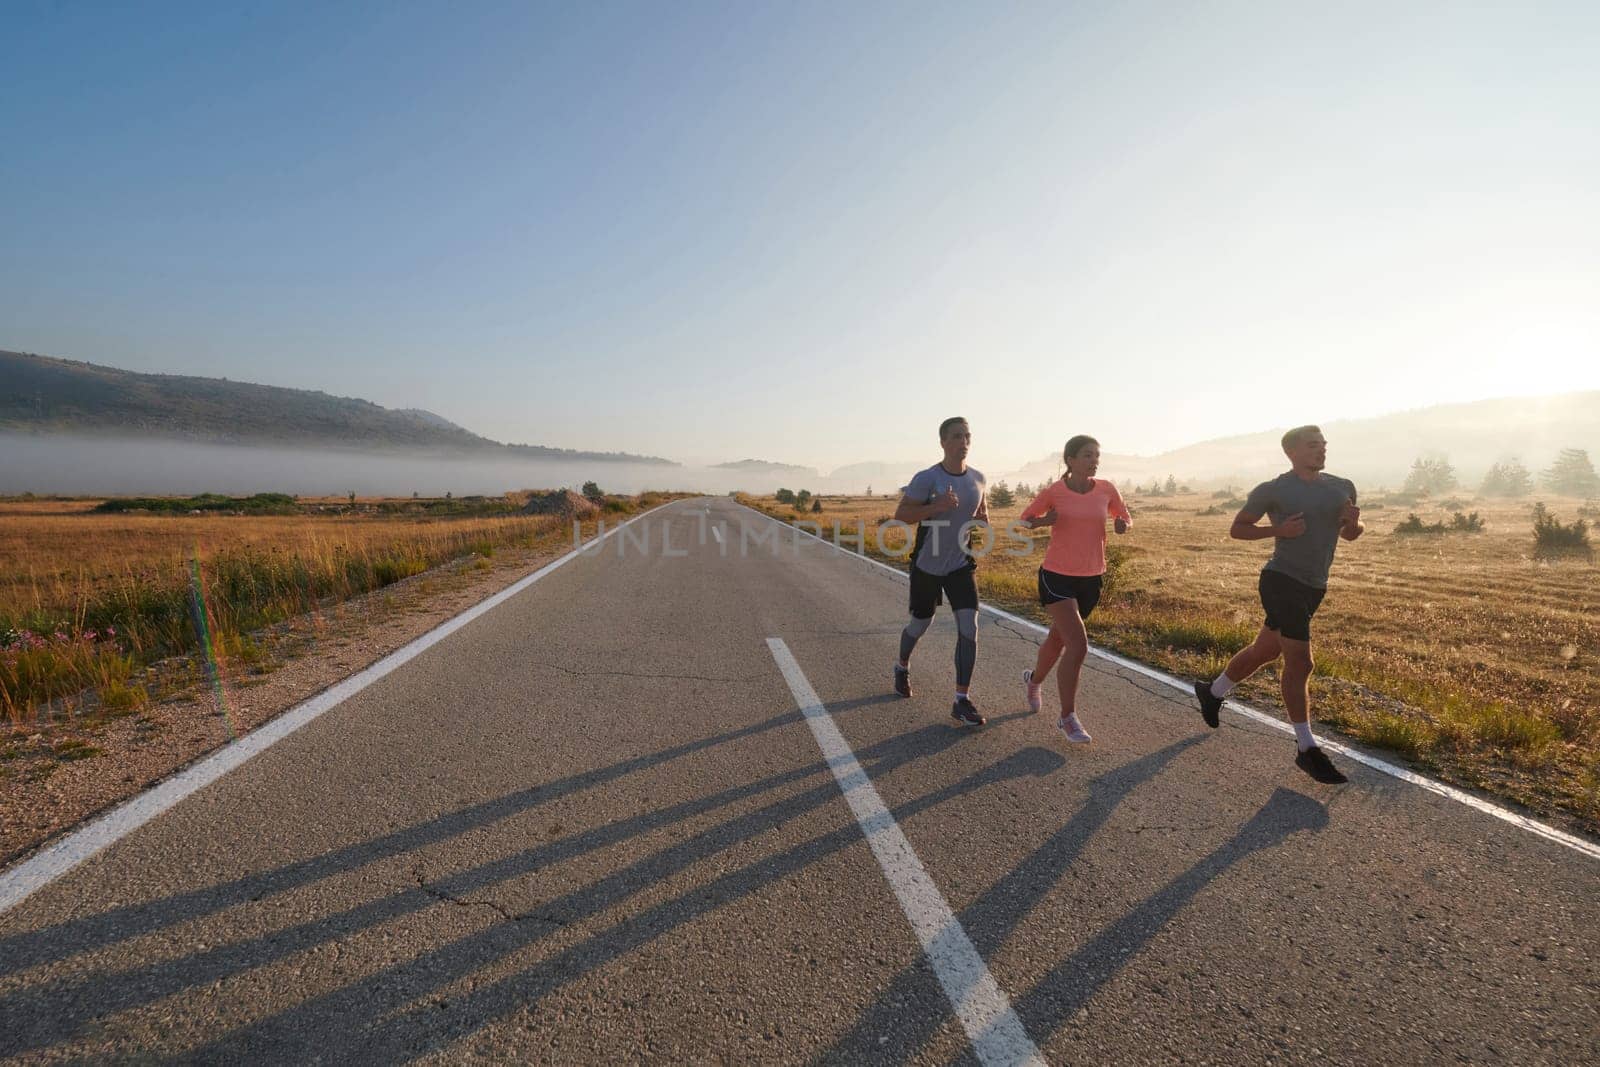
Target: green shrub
1414,525
1551,536
1459,523
259,504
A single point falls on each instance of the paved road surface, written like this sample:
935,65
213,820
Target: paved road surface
595,824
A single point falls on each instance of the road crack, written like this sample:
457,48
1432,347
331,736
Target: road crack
464,902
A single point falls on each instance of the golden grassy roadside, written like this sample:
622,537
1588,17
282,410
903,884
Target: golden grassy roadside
1465,653
87,600
43,793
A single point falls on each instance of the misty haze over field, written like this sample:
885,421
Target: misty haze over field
1376,452
132,467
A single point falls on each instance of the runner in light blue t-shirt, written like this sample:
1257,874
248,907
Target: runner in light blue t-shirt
944,501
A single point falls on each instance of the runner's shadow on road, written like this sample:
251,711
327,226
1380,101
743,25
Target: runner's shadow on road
888,1030
312,1025
40,1006
32,948
1074,982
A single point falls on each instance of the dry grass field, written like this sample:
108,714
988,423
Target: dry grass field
1465,653
89,600
1468,654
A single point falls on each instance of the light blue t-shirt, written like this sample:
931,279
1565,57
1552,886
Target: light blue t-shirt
943,549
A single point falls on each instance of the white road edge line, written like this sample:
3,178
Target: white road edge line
985,1011
39,870
1521,822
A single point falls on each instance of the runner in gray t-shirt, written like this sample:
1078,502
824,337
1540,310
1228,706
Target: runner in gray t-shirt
1308,512
945,501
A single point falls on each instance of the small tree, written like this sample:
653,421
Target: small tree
785,496
352,498
816,506
801,499
1572,474
1171,487
1000,496
1551,536
1507,478
869,490
592,491
1023,491
1429,475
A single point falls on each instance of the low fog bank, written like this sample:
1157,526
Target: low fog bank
78,466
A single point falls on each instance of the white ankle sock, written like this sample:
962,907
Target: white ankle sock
1222,686
1302,734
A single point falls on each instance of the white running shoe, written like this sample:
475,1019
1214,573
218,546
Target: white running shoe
1035,700
1074,731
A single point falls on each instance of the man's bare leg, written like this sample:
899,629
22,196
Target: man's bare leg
1249,659
1297,666
1260,652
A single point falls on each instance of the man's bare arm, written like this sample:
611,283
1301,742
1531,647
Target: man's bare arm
912,512
1245,527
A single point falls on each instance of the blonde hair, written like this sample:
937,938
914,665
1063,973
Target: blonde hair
1298,434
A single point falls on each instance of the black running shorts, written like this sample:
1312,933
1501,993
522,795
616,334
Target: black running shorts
1289,604
1085,589
929,590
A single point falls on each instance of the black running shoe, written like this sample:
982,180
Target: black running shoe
964,713
902,680
1316,763
1210,704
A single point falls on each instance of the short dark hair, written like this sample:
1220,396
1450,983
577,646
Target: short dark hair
944,427
1076,444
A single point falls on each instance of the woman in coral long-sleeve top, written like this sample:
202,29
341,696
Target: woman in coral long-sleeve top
1075,507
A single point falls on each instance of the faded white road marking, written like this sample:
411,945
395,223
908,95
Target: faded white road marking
985,1011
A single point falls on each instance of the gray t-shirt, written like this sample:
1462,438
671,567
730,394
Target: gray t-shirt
942,547
1308,557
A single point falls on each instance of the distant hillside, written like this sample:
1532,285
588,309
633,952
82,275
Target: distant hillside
1379,451
430,418
39,394
762,466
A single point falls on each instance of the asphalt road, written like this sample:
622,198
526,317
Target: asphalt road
596,825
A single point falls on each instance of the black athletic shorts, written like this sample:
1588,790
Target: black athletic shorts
929,590
1085,589
1290,604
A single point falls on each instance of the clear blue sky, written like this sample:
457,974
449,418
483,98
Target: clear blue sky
807,232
